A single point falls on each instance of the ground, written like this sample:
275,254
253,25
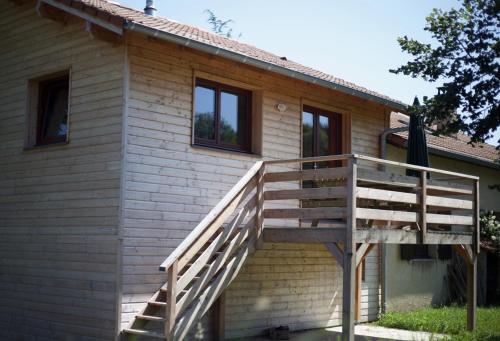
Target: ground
447,320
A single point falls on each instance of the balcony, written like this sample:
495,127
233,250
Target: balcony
368,200
349,203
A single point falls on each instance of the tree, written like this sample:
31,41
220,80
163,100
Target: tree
220,27
465,58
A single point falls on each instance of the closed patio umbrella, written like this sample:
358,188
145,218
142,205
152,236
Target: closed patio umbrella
416,153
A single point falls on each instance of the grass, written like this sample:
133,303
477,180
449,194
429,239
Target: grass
447,320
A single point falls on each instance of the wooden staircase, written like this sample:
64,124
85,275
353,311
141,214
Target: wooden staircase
205,263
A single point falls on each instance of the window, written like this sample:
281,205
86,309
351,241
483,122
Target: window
321,136
222,116
415,251
49,100
321,132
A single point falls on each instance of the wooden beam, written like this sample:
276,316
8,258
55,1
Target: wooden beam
259,212
446,219
349,274
477,239
359,280
389,215
423,207
472,293
336,252
398,180
304,235
397,236
170,312
307,174
386,195
307,193
305,213
412,217
362,252
220,318
415,167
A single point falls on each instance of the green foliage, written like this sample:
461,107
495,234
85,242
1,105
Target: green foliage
490,227
220,27
466,58
447,320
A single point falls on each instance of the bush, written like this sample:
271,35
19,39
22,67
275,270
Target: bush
490,228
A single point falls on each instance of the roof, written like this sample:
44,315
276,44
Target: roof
458,144
133,19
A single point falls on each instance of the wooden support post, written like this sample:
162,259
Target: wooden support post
260,207
472,293
220,318
359,279
170,313
336,252
349,277
423,207
476,246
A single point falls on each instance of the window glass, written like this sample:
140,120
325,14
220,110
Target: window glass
204,113
324,136
229,118
53,111
222,116
307,134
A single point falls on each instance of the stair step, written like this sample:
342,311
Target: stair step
144,333
157,303
150,318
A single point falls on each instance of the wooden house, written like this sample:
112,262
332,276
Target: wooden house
157,180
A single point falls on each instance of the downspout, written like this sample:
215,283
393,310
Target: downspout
383,250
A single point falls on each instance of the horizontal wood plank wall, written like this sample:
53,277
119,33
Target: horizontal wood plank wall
299,285
59,205
171,185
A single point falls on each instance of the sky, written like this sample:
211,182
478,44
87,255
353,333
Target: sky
355,40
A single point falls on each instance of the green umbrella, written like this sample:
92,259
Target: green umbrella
416,153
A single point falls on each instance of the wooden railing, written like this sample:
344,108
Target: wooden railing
353,188
204,264
344,192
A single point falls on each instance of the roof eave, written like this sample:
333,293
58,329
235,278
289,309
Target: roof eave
449,154
144,29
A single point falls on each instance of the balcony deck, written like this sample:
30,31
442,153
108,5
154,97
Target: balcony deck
382,206
352,202
349,203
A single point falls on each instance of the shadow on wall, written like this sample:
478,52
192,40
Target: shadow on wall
415,282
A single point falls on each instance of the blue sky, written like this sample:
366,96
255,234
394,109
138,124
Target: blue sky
353,40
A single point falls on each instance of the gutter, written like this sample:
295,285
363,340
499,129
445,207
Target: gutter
204,47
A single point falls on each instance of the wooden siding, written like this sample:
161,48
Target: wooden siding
59,205
171,185
299,285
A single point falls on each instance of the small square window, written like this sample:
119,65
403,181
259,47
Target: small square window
222,116
48,110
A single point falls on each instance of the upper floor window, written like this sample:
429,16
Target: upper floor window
52,118
47,110
222,116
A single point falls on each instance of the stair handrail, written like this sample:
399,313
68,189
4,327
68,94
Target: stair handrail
211,216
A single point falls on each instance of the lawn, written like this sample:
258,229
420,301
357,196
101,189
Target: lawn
447,320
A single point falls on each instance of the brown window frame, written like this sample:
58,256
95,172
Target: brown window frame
43,87
216,142
335,144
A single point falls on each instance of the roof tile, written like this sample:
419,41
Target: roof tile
203,36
